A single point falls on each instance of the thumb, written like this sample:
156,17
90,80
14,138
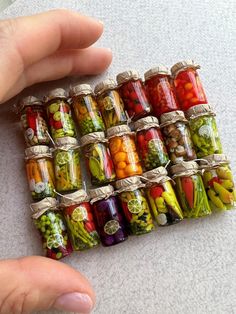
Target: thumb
37,283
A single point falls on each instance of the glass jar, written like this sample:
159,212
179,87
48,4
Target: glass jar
40,173
123,151
59,114
218,182
50,224
162,198
108,216
177,136
33,121
86,109
79,220
67,165
110,103
98,158
187,84
204,130
133,94
160,90
190,189
150,143
135,205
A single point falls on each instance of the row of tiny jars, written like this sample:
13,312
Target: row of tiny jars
195,194
135,98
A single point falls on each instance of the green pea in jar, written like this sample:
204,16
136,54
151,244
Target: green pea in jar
204,130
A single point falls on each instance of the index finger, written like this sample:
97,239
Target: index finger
38,36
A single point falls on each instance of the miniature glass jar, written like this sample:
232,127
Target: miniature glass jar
67,165
123,151
160,90
187,84
177,136
50,224
218,182
33,121
150,143
108,216
77,212
98,158
135,205
40,173
110,103
133,94
86,109
190,190
204,130
162,198
59,114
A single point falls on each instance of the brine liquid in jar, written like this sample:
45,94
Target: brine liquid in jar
51,226
160,90
133,93
86,110
124,152
187,83
67,165
108,216
40,172
98,158
33,121
110,104
177,137
150,143
59,114
79,219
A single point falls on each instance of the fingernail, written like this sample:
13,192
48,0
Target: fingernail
74,302
101,22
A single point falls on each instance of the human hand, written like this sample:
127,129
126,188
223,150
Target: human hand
40,48
47,47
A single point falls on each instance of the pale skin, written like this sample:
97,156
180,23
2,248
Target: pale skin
34,49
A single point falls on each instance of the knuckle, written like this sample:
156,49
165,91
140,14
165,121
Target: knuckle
7,29
62,12
14,303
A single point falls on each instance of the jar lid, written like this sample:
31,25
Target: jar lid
81,89
28,101
179,66
104,86
145,123
66,141
160,171
101,193
74,198
127,76
128,183
172,117
213,160
160,69
118,130
92,138
184,167
199,110
56,93
42,206
38,151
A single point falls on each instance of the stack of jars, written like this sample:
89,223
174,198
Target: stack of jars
128,156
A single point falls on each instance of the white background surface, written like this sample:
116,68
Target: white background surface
187,268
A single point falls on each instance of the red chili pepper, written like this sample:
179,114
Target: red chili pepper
138,108
188,188
127,213
57,125
31,121
156,191
214,179
151,134
89,226
65,108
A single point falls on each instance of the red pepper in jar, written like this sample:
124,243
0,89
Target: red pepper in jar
133,94
188,85
160,90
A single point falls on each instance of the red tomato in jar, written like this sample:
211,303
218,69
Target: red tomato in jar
133,95
57,125
138,108
156,191
150,134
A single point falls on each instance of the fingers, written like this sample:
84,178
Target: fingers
36,283
63,63
38,36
